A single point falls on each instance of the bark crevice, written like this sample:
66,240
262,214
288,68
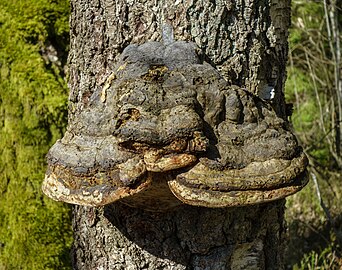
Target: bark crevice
186,238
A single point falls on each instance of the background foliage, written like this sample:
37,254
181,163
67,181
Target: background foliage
314,86
35,233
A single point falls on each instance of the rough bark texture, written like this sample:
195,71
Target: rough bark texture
247,42
120,237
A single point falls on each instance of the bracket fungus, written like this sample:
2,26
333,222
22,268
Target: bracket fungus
167,121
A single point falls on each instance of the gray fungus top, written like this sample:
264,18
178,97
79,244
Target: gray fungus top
164,115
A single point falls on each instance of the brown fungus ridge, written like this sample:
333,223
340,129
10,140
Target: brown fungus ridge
259,158
144,121
165,121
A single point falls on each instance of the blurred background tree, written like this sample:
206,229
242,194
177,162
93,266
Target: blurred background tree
315,80
314,86
35,232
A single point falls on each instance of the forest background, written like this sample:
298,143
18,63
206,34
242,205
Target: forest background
35,232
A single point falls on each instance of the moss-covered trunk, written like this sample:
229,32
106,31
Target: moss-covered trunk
35,232
247,41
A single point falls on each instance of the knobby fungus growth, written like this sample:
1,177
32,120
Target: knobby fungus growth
166,121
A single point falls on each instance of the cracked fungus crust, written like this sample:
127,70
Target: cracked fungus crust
166,120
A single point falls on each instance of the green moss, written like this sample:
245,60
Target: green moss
35,233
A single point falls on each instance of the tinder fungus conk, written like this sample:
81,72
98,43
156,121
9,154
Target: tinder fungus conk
166,120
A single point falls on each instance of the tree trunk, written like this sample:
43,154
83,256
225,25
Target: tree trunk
247,43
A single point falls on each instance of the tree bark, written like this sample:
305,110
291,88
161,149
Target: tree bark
247,42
